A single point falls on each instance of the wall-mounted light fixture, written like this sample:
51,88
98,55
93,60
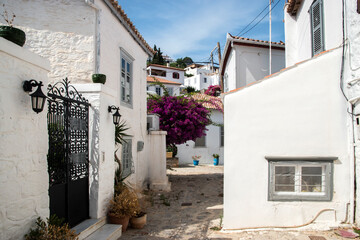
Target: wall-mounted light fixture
37,97
116,115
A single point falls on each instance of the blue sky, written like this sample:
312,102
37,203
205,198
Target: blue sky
193,27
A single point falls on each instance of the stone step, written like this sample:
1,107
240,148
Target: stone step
89,226
107,232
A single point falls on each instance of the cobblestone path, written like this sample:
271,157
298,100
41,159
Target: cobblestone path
193,208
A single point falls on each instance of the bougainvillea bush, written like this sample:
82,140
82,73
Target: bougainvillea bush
213,90
182,117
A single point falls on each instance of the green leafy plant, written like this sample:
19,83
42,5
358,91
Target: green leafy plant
215,155
172,148
52,229
218,228
120,132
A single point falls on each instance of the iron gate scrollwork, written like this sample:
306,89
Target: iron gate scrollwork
68,155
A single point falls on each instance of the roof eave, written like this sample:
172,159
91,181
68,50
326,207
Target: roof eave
128,28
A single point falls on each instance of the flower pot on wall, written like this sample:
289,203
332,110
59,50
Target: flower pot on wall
216,161
12,34
99,78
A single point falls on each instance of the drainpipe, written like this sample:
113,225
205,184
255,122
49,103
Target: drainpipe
352,212
97,35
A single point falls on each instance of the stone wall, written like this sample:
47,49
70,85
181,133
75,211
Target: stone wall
61,31
23,143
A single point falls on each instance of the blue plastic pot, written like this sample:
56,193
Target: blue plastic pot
196,162
216,161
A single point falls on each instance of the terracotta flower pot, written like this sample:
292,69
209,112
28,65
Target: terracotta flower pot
12,34
124,221
138,222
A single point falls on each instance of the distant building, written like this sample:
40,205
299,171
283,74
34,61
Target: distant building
202,77
165,72
172,87
247,60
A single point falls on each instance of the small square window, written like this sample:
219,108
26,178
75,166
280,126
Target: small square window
200,142
300,180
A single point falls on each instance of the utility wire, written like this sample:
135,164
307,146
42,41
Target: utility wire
252,20
261,18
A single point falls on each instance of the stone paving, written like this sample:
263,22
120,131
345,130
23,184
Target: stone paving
193,208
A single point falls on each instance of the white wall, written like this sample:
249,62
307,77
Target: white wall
298,30
169,74
176,88
306,117
102,146
252,63
212,139
230,72
24,179
113,39
61,31
351,84
158,179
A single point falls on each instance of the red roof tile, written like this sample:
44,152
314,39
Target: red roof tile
152,79
163,66
209,102
255,41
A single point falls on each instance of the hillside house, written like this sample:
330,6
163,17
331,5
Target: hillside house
213,141
172,87
289,136
202,77
166,72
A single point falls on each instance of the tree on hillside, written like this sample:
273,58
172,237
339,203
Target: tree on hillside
182,62
158,57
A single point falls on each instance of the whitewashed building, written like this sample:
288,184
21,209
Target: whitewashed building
166,72
202,77
289,138
212,142
78,38
173,88
247,60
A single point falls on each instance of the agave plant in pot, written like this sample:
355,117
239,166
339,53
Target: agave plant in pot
122,207
9,32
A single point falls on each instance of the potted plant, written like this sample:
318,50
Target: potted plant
171,151
196,159
139,220
216,159
122,207
11,33
99,78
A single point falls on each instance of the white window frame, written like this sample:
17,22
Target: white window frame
298,195
128,74
170,91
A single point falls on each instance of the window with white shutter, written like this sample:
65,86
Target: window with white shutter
317,28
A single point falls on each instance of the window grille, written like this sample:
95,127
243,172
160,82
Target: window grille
126,157
300,180
221,136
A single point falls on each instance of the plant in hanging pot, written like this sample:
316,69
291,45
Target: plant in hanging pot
196,159
122,207
9,32
216,159
99,78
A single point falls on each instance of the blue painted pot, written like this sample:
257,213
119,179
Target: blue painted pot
216,161
196,162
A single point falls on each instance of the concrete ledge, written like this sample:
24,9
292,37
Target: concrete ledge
23,54
94,88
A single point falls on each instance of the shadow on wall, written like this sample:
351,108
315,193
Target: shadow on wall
94,160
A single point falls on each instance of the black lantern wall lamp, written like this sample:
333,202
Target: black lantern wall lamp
116,115
38,97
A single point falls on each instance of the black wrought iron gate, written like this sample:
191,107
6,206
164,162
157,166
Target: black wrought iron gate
68,156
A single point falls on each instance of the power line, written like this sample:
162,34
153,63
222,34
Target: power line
261,18
252,20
